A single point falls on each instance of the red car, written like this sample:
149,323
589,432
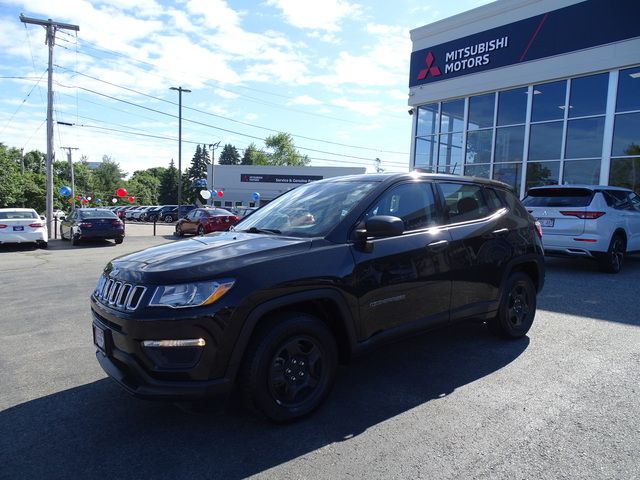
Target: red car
205,220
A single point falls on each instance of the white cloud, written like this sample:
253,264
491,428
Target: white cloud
369,109
304,100
251,117
226,94
316,15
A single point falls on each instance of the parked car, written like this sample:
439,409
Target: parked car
272,306
589,221
23,225
200,221
92,223
139,215
129,213
170,213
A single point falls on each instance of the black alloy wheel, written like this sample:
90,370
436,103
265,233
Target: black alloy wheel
517,308
200,230
290,367
179,232
611,262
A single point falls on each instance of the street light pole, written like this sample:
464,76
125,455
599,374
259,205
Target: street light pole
213,147
180,90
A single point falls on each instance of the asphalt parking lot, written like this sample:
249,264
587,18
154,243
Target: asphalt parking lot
564,402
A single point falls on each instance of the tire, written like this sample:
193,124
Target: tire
179,232
517,308
153,218
289,367
119,241
43,244
611,262
168,218
74,240
62,234
200,230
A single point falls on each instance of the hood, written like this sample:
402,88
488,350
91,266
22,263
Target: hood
202,257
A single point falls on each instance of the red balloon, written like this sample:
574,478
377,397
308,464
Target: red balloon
79,197
132,199
86,201
220,193
121,192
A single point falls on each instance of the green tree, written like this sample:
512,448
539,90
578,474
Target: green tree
145,187
229,155
284,152
108,177
254,156
10,188
198,170
168,194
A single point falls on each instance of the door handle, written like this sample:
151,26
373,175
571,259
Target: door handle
502,231
439,245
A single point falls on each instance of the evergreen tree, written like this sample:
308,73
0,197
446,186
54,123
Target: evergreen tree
168,194
229,155
108,177
254,156
197,171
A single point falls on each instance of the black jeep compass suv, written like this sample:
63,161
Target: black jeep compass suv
318,275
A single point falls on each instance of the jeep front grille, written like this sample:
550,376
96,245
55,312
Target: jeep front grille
118,294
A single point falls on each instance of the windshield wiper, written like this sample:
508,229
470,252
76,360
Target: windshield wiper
261,230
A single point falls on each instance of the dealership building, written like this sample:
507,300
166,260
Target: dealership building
530,92
255,185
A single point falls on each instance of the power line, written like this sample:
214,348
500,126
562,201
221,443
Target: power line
295,135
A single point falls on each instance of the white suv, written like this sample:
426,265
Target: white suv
593,221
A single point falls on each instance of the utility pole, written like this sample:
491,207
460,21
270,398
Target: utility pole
179,90
50,40
73,182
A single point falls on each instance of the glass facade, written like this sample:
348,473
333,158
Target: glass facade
576,130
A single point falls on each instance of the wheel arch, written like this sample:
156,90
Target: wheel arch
329,306
530,267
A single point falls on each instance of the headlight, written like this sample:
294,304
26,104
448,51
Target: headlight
190,294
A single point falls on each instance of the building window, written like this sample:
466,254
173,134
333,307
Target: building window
479,146
542,173
477,170
626,134
581,172
425,152
545,141
450,154
548,101
588,95
481,108
509,173
452,116
427,120
584,138
628,90
625,172
509,144
512,106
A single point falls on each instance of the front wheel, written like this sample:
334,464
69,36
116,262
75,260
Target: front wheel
119,241
168,219
517,308
611,262
179,232
290,367
200,230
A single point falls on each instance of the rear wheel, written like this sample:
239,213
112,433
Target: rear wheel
517,308
611,262
289,368
42,244
200,230
168,218
119,241
179,232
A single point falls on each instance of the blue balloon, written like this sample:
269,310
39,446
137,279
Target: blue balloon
256,196
65,191
98,200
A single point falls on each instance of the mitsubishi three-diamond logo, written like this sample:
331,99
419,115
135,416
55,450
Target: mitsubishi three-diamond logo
431,68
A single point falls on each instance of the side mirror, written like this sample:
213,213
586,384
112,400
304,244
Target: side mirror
42,217
380,226
62,218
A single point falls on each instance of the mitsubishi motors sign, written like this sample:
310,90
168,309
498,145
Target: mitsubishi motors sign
577,27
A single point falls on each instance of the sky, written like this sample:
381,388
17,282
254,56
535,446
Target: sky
333,74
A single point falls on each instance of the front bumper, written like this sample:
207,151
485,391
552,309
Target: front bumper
144,373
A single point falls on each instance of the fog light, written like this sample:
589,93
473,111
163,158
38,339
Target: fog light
192,342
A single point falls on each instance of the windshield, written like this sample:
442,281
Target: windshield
311,210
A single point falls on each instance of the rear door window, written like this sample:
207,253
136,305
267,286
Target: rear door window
558,197
464,202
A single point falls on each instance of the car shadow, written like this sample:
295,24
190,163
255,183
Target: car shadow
98,431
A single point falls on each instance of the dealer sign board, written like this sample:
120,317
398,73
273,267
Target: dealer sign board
577,27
